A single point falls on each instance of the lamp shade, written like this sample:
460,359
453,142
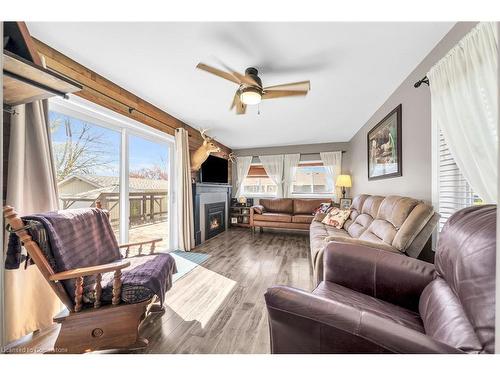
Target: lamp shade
343,180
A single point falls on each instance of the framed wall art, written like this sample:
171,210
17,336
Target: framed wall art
385,148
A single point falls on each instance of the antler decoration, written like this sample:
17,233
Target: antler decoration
201,154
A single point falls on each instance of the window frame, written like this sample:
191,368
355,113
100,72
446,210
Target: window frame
312,195
87,111
258,195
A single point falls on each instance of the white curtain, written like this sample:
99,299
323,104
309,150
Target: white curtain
243,164
273,164
464,106
333,163
183,192
30,303
291,161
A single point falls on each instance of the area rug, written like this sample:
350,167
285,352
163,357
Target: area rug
187,261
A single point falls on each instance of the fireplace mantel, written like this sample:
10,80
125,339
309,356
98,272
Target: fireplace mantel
204,193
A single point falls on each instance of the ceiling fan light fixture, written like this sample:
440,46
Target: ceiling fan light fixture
250,96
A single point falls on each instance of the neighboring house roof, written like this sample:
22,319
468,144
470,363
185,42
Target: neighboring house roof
110,184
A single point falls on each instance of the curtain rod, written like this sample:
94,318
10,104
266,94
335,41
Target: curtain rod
9,109
288,153
419,82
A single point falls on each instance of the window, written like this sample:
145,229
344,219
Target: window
87,158
124,165
454,192
312,178
258,183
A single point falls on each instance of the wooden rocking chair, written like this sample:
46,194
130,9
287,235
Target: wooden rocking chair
94,327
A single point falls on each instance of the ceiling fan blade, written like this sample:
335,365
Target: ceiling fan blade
282,93
295,86
243,78
240,107
235,100
219,73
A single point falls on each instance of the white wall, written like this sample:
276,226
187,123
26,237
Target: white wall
416,180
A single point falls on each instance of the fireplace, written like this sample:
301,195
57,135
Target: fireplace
215,215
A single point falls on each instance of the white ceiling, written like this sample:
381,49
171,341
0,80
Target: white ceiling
353,68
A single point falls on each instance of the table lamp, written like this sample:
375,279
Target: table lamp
343,181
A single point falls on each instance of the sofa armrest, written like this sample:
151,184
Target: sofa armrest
255,209
258,209
389,276
298,318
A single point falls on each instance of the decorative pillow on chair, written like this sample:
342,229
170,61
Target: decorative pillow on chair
336,217
322,209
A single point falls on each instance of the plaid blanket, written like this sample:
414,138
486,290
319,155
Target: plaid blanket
84,237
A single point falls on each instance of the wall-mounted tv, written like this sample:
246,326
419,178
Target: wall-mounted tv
214,170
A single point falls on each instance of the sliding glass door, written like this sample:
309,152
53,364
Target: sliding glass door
103,158
148,186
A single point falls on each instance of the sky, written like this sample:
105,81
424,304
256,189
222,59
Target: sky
142,153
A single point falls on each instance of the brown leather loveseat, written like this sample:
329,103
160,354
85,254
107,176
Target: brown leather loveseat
289,213
375,301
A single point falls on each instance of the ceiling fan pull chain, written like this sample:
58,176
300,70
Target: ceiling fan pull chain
258,109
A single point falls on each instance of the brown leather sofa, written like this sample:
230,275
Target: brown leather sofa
398,224
375,301
288,213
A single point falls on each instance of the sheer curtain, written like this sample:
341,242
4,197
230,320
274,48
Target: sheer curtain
30,303
184,192
273,164
464,106
291,161
243,164
333,163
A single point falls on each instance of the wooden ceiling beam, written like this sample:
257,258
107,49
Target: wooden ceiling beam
104,92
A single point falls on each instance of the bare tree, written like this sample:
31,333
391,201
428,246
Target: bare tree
83,151
158,171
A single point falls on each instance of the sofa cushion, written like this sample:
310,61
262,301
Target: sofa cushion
302,219
270,216
307,206
413,225
395,209
379,230
359,225
278,205
370,305
317,234
356,206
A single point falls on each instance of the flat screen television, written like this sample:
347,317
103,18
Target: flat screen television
214,170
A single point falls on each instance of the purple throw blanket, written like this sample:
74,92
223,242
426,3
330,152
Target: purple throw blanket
84,237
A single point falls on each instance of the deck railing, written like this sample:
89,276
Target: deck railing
145,207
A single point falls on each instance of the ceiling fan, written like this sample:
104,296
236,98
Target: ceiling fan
250,90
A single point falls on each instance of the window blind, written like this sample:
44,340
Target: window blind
455,192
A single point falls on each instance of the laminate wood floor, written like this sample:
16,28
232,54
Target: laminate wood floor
219,306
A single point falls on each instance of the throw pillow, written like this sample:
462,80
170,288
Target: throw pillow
323,208
258,209
319,217
336,217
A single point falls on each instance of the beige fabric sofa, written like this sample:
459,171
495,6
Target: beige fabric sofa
393,223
